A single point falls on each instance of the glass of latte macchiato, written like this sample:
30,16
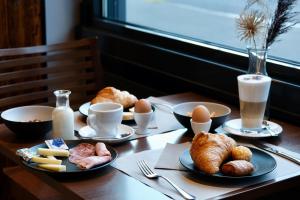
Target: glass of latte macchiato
253,95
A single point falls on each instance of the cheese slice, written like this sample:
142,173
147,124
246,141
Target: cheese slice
37,159
53,152
51,157
53,167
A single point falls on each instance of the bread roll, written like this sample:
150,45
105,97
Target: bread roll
208,151
241,153
237,168
111,94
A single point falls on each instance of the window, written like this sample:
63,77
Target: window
169,42
208,21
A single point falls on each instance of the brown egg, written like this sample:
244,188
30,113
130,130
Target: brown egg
142,106
200,114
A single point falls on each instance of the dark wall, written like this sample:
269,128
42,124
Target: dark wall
21,23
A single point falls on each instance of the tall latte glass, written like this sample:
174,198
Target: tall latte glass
253,95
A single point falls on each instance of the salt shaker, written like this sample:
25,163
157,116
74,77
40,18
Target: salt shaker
63,116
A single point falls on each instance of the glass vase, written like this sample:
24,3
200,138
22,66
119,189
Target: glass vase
257,61
257,65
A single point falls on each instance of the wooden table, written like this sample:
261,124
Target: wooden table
113,184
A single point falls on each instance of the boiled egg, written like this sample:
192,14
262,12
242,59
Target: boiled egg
200,114
142,106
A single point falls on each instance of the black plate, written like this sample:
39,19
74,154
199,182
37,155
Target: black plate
263,164
72,169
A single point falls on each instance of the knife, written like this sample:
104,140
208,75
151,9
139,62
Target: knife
278,152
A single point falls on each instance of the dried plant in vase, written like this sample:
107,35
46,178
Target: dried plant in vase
257,22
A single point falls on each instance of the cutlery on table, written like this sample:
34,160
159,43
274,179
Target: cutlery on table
278,152
151,174
268,128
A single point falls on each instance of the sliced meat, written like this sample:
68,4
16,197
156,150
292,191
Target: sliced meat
89,162
81,151
101,149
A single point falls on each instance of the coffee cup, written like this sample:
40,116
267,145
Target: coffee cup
105,118
253,95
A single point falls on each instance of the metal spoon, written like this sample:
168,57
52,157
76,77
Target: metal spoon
268,128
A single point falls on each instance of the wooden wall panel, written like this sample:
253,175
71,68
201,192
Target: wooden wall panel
21,23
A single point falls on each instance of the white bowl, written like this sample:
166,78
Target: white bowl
28,121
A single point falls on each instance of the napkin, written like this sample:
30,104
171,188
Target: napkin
166,162
169,157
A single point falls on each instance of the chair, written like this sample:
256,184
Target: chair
29,75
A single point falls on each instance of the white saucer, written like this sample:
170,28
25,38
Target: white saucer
234,127
84,108
124,133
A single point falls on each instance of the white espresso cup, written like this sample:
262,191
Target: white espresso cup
253,95
105,118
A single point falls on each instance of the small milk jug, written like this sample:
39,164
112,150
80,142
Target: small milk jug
63,116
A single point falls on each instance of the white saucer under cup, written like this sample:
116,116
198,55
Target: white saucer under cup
234,127
124,133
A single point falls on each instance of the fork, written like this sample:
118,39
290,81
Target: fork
151,174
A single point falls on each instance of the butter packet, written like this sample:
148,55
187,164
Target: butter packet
26,154
56,143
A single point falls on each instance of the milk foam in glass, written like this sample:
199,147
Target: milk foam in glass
253,95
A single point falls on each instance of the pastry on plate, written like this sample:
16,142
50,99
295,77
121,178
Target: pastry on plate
241,153
237,168
111,94
209,151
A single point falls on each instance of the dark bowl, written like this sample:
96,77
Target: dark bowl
181,111
28,121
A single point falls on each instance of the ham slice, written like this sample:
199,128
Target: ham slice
92,161
81,151
101,149
86,155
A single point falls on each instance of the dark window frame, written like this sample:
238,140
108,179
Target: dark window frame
153,50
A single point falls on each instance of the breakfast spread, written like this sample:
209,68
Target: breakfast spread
84,155
111,94
142,106
209,152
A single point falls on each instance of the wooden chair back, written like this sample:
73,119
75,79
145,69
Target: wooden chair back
29,75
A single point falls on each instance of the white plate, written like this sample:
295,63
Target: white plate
124,133
84,109
234,127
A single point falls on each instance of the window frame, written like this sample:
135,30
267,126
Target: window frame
133,44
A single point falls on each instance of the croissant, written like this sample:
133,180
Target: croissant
208,151
111,94
237,168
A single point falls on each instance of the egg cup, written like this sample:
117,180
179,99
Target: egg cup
199,127
142,120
